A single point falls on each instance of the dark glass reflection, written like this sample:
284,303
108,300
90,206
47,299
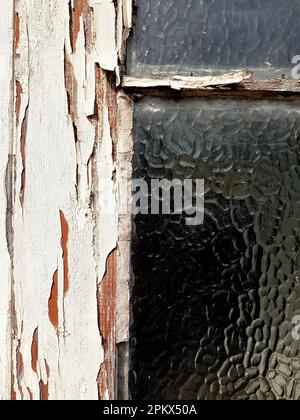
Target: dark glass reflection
180,36
213,305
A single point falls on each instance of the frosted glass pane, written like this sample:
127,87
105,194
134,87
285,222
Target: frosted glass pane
213,305
214,35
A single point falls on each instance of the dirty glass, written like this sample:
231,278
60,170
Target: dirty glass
210,36
214,306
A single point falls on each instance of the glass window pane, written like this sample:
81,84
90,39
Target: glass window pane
214,305
184,36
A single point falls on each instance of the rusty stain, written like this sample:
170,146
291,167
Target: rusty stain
64,245
52,303
75,17
19,91
107,323
44,392
71,86
23,155
44,396
17,32
34,350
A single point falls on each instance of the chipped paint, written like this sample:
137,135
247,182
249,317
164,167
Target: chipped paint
107,326
34,350
6,172
59,218
64,246
183,82
127,13
65,139
76,8
105,26
44,396
67,144
23,155
19,91
53,302
20,370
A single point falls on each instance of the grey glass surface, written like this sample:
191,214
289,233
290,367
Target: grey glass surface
200,36
213,305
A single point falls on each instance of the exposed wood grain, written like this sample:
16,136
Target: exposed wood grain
124,177
64,175
58,209
107,325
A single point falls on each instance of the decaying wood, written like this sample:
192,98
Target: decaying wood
241,82
124,171
65,163
183,82
65,214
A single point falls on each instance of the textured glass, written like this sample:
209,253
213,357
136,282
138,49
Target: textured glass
186,36
213,305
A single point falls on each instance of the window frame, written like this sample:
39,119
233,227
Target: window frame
234,84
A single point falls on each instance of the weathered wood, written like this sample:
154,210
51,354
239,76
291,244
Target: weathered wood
240,82
183,82
65,217
6,166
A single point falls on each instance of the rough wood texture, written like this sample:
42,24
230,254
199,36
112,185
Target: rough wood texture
241,82
182,82
58,207
6,112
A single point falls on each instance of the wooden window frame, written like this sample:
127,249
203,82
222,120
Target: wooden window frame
234,84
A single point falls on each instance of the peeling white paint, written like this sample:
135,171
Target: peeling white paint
106,202
6,112
105,27
127,12
63,176
69,356
183,82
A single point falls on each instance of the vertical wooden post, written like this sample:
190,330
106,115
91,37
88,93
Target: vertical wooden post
6,168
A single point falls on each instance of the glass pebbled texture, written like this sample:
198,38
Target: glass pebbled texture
213,305
184,36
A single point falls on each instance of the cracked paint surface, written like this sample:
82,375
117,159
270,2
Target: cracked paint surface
59,166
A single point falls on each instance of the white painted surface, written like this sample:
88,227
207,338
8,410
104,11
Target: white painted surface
6,113
105,27
184,82
59,146
58,165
